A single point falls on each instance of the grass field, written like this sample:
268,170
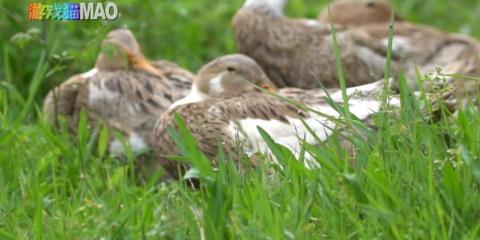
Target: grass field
413,179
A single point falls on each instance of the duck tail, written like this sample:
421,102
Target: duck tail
60,101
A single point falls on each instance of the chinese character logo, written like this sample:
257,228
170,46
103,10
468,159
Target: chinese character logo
73,11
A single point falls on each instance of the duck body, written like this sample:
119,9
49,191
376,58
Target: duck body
127,98
426,49
296,54
128,101
354,13
233,121
418,47
223,108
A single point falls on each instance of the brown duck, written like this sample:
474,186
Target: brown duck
225,108
297,53
420,47
124,91
358,12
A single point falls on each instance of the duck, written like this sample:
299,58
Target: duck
419,47
297,53
124,91
353,13
216,113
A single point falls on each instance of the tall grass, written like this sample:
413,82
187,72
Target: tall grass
418,180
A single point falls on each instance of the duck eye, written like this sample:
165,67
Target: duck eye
230,69
371,4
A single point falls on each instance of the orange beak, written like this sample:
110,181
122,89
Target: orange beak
140,63
268,87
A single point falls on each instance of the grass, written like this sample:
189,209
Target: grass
418,180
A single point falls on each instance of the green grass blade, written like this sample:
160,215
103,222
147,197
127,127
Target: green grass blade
339,65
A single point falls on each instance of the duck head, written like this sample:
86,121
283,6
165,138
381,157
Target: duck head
274,6
358,12
231,74
121,51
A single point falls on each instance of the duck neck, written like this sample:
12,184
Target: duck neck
111,63
272,7
194,96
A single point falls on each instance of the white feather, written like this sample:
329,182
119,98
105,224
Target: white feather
376,63
215,84
194,96
366,89
313,23
97,93
291,134
90,73
275,5
137,144
400,45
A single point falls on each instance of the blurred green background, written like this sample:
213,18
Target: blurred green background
187,32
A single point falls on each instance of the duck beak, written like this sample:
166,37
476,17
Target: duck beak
265,83
268,87
140,63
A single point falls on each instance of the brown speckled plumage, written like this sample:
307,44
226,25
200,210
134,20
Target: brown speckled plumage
132,100
231,119
419,46
208,121
128,98
297,54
